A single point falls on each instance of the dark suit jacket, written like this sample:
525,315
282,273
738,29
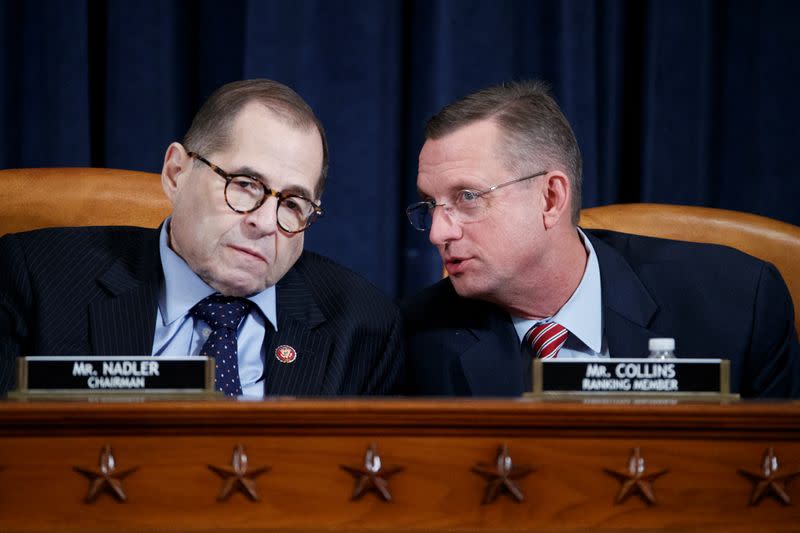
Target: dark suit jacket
84,291
715,302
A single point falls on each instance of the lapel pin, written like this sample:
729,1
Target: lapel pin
285,353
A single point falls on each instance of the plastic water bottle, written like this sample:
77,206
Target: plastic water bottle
661,349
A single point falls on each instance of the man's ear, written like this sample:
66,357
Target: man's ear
176,163
557,196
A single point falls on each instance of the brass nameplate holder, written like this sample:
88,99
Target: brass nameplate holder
633,378
113,375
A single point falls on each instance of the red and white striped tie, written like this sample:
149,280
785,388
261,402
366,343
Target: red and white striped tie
546,339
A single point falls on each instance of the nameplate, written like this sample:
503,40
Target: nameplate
632,377
114,374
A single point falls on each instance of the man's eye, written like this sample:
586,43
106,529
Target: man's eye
295,204
244,184
467,196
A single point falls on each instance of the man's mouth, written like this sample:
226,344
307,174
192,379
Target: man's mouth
250,252
455,265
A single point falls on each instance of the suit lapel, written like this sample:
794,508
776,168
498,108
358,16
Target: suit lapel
299,319
628,308
626,338
122,322
490,356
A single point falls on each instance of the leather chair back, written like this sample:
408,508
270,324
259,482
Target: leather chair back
47,197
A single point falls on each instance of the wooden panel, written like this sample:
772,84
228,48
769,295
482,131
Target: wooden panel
437,443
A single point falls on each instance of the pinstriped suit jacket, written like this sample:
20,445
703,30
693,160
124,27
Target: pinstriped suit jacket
94,291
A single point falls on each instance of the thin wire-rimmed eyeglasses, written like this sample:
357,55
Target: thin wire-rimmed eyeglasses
245,194
466,206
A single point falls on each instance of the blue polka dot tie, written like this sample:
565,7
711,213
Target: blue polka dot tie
223,314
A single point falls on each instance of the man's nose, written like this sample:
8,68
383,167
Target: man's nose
265,218
443,228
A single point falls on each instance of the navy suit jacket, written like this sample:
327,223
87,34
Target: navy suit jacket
84,291
715,301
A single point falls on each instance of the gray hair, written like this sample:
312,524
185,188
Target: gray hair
535,130
211,128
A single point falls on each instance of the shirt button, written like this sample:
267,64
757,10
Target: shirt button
206,332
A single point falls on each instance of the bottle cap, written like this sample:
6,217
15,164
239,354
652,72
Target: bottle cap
661,345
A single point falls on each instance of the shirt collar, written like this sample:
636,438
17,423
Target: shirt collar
183,288
582,315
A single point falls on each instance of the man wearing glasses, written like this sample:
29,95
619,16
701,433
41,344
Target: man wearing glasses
224,276
500,183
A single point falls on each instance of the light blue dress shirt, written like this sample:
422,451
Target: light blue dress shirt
178,334
582,315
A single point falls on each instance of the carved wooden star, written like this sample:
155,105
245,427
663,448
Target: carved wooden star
239,476
501,475
372,475
107,478
768,481
635,480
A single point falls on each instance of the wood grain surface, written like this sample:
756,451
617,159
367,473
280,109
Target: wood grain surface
436,442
